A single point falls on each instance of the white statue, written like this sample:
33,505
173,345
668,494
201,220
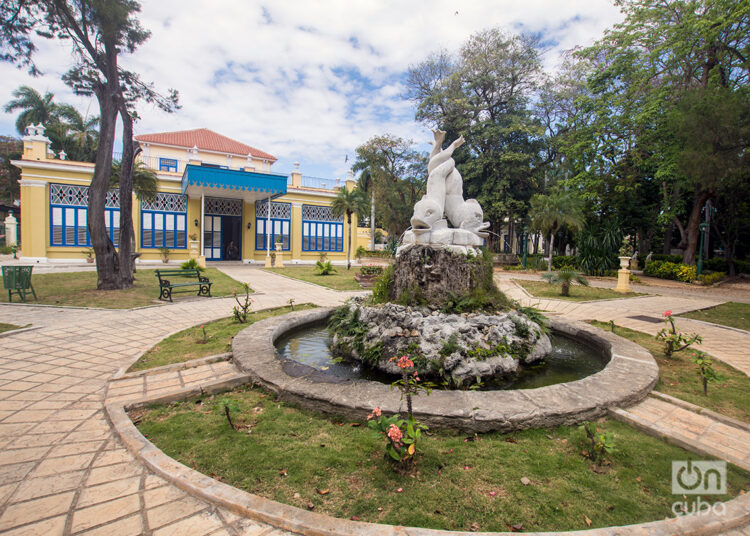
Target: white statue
444,198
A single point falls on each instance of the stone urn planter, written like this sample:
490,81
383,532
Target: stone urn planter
624,263
366,281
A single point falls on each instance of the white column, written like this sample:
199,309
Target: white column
203,218
268,229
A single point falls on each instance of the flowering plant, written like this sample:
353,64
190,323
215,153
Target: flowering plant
402,434
243,308
673,340
371,269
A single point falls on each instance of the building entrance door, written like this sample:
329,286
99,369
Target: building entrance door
222,238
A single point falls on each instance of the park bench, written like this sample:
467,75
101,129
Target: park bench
18,279
171,279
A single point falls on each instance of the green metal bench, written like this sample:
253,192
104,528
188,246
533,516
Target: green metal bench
171,279
18,279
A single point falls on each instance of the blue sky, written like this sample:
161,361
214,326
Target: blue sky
307,81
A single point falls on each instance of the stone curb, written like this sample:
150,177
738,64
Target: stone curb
17,331
702,411
711,324
174,366
294,519
675,438
628,378
208,388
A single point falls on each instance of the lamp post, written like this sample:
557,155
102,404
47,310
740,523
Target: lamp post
525,245
699,268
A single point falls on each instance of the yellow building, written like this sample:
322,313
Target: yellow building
217,201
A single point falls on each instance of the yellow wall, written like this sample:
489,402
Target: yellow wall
151,158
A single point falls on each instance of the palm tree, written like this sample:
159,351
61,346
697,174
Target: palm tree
349,202
564,278
144,180
552,211
81,134
37,108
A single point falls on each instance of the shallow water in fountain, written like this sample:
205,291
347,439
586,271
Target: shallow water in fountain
569,360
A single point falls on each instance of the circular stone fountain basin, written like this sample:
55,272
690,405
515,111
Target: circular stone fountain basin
569,360
628,377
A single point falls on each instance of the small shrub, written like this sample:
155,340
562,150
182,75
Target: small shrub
710,279
564,278
601,444
450,346
382,288
705,370
538,264
242,309
674,340
670,270
325,268
564,262
191,264
361,252
290,301
164,252
8,250
371,269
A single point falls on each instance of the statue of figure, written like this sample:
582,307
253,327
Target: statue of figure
444,198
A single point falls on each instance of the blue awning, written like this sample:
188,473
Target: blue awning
221,182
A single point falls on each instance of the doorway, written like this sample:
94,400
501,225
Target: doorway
222,238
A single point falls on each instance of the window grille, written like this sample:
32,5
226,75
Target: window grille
166,203
278,210
221,206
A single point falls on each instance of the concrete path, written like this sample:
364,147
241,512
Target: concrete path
63,472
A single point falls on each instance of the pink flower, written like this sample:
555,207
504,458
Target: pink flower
394,433
399,490
666,314
405,362
375,413
492,493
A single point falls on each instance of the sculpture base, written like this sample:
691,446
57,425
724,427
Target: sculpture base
623,281
440,277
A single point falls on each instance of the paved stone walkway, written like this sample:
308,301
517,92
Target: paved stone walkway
61,469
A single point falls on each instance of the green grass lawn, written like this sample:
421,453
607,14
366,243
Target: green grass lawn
732,314
461,482
79,289
188,344
678,377
343,279
542,289
8,327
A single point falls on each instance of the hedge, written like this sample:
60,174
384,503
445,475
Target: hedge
670,270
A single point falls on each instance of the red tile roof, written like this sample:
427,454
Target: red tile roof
206,139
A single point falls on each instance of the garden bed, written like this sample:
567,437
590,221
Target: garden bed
79,289
342,279
732,314
678,377
470,482
540,289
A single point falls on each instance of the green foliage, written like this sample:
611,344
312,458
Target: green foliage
164,252
450,346
673,339
537,263
325,268
564,278
371,269
361,252
564,262
536,316
705,371
553,211
671,270
598,248
192,264
145,182
402,437
382,288
243,308
9,250
345,322
601,444
346,203
713,277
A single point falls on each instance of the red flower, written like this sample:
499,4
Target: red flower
404,362
394,433
666,314
375,413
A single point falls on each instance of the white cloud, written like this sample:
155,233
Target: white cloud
306,81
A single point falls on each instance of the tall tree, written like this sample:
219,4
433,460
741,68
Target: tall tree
483,93
10,149
395,173
349,202
99,31
662,53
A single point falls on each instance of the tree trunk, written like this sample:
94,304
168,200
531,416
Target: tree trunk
693,231
107,260
349,236
565,288
126,200
667,239
372,221
551,251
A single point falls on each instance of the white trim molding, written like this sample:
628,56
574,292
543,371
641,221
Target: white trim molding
32,183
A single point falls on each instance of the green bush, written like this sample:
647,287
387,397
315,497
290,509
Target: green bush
383,286
720,264
666,258
598,247
536,263
671,270
8,250
713,277
564,262
191,264
371,269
